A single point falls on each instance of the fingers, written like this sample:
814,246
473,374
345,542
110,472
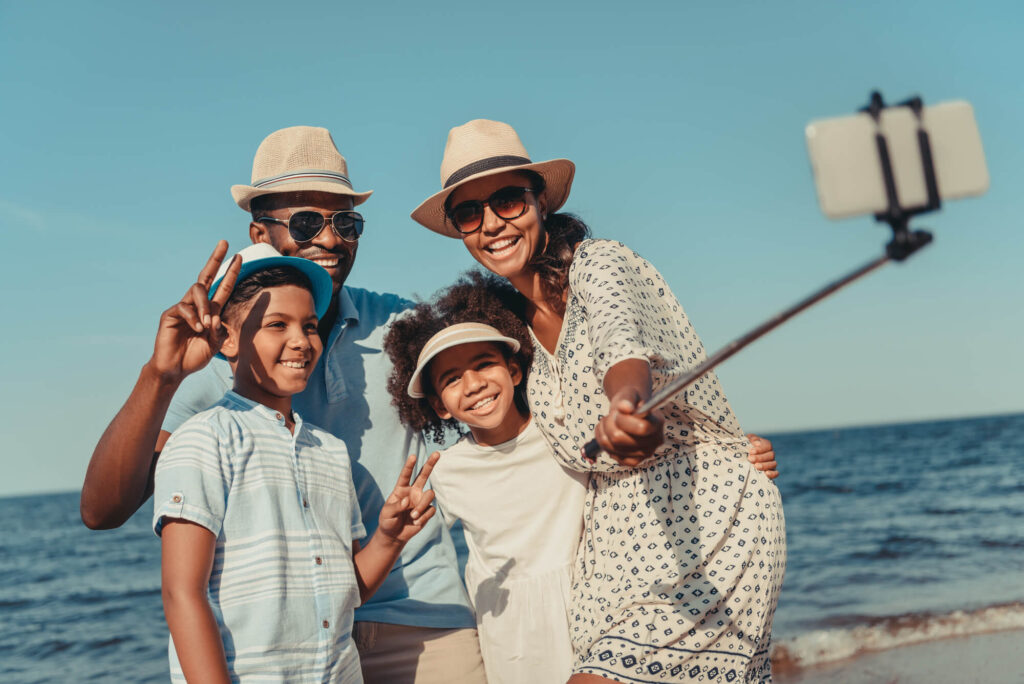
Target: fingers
428,467
426,516
417,513
224,290
209,271
759,445
627,436
197,296
186,312
405,477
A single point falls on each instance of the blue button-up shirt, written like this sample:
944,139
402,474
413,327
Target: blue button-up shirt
347,396
283,509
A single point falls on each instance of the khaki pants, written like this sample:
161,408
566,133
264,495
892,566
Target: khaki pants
399,654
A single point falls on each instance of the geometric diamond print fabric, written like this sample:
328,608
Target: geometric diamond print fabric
681,561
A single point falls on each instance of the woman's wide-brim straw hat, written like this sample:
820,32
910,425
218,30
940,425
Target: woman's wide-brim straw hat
483,148
297,159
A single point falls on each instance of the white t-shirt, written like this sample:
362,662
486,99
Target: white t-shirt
523,517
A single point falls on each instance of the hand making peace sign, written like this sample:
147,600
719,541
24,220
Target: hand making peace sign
408,507
190,332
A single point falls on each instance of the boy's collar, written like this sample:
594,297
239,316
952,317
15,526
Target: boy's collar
261,410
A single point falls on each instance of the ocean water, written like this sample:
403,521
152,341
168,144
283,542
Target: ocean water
898,534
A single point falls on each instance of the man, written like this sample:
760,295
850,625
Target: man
418,627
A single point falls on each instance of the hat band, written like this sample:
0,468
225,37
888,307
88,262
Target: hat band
299,176
484,165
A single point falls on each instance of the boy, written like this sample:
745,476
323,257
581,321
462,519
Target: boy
257,512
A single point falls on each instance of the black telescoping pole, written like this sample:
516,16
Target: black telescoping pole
591,448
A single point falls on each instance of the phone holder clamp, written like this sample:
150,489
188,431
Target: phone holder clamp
904,241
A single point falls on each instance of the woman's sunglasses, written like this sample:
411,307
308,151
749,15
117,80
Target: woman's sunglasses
303,226
508,203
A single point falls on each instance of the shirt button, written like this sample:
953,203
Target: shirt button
305,504
279,416
326,624
176,499
319,560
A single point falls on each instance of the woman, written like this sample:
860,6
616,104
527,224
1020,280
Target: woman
683,548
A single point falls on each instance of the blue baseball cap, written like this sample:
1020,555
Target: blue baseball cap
261,256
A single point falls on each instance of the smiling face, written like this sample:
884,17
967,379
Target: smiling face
327,249
504,247
273,345
475,384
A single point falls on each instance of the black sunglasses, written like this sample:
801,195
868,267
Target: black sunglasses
507,203
303,226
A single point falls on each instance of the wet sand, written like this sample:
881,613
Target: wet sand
981,658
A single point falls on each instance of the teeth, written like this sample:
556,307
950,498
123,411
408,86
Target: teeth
481,403
326,263
501,246
294,364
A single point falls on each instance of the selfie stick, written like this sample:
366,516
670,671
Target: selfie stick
904,243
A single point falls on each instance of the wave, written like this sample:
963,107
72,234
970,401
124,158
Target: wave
822,646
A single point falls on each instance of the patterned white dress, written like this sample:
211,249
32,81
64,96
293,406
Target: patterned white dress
681,560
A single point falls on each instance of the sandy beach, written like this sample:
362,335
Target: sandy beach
981,658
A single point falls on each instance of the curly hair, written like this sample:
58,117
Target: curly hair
474,298
564,232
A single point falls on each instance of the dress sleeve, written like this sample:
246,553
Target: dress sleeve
630,311
192,478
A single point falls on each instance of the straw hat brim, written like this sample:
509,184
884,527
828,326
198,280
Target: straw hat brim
557,175
245,194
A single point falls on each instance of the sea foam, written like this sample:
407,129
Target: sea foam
822,646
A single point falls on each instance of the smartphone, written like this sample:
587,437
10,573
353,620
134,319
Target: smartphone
848,171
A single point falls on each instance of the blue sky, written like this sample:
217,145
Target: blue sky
125,124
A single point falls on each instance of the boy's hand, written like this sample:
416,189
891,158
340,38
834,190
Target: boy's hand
625,437
190,332
408,508
762,456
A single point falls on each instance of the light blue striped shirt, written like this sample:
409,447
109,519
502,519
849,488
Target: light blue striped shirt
284,511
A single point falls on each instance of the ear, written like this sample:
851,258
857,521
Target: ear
229,348
542,207
438,406
258,233
515,370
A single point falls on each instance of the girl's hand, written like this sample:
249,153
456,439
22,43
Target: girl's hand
762,456
408,507
625,437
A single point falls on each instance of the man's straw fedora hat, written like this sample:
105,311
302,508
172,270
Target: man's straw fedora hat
482,148
296,159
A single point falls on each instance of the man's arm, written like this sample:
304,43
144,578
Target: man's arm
120,474
188,551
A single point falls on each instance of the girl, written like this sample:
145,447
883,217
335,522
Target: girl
521,510
683,547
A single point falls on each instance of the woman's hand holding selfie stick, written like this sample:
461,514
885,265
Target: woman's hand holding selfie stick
904,243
